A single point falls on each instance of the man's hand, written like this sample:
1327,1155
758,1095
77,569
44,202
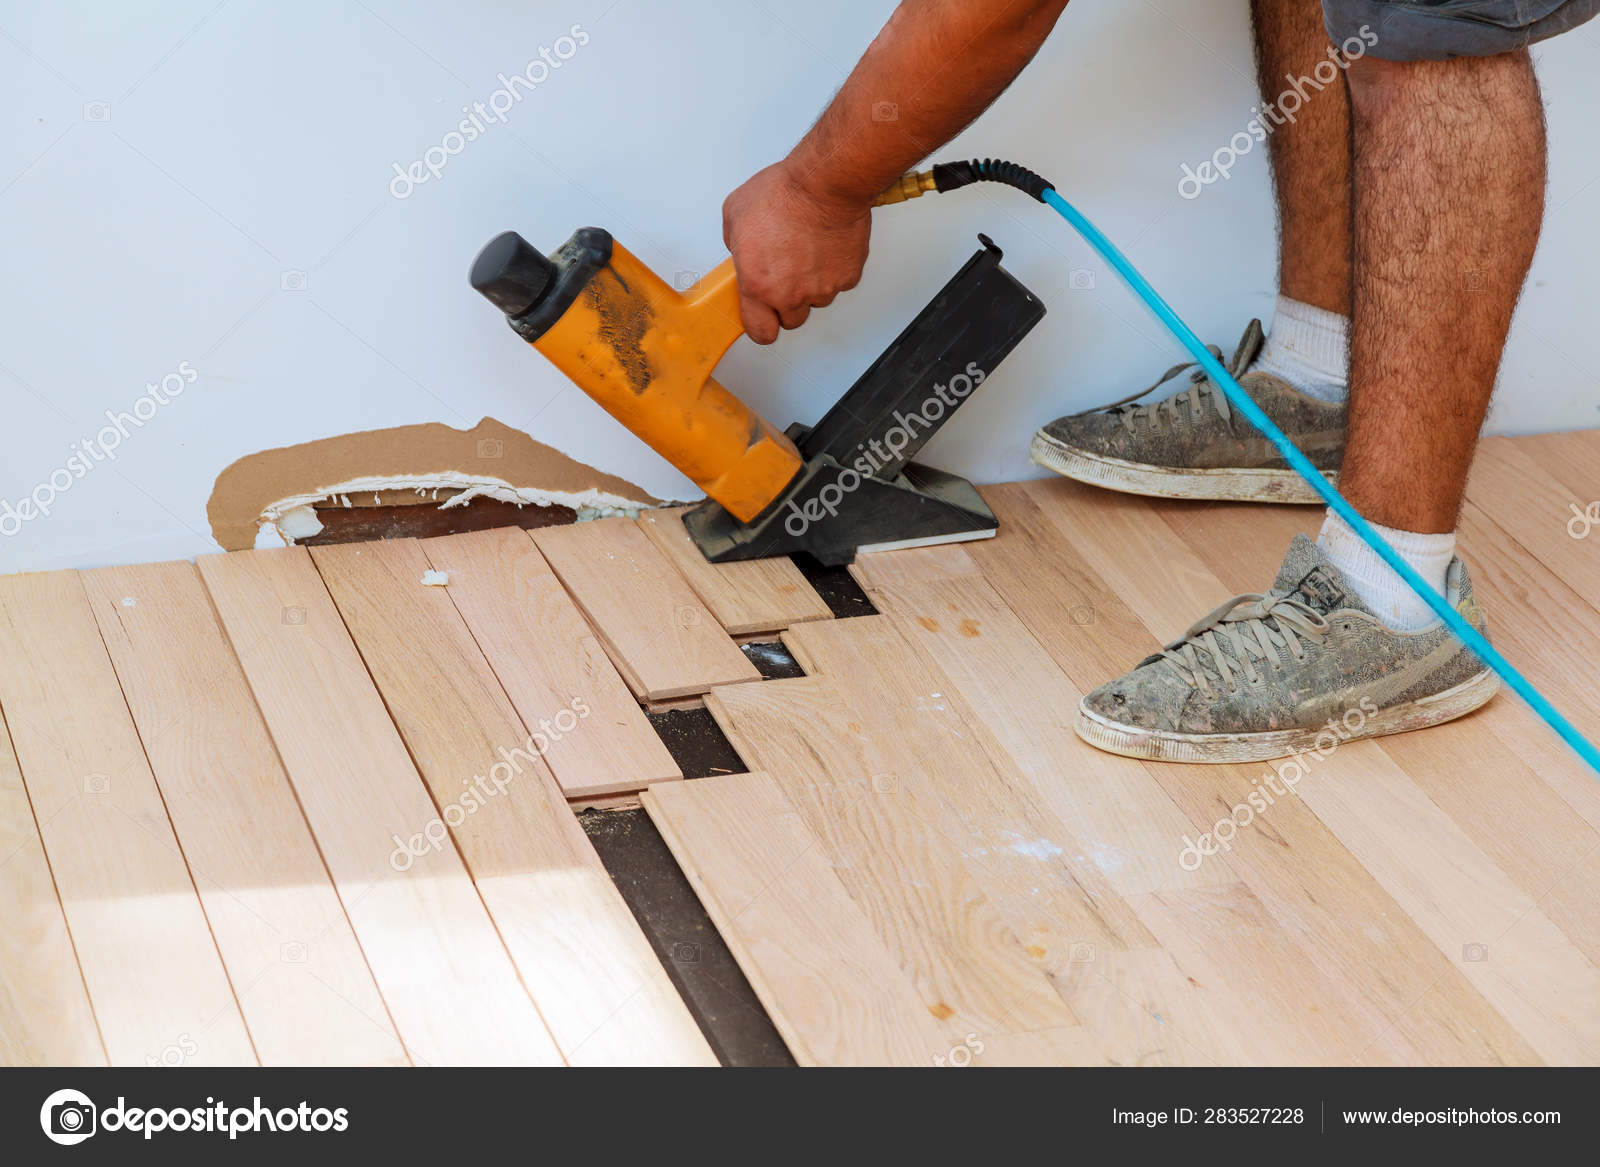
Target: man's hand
798,231
794,250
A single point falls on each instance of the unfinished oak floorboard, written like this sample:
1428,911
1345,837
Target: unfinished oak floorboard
661,637
1454,893
1213,927
834,993
1573,459
1130,828
45,1019
909,707
884,840
598,985
449,983
149,961
301,979
751,595
1543,626
1054,590
545,655
1037,871
1536,508
1309,881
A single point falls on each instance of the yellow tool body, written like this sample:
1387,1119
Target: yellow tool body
645,353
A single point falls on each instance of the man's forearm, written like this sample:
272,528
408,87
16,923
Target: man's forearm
933,69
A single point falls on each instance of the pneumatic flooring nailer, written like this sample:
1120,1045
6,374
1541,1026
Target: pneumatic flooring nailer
646,352
900,502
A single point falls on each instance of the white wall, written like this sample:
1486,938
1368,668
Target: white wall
241,141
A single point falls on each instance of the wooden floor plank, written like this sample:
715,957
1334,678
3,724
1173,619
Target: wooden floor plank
545,655
1214,926
661,637
1544,628
1039,873
1310,882
908,706
439,963
886,843
830,987
597,983
1452,891
1527,500
752,595
149,961
301,979
45,1019
1573,460
1130,827
1087,628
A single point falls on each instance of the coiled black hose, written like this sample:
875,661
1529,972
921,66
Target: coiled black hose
950,175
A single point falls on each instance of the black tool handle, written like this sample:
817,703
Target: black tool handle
929,371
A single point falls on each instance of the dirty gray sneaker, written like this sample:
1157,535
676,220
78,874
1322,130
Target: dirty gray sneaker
1305,666
1192,444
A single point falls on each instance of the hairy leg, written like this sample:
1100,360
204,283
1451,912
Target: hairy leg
1449,175
1310,156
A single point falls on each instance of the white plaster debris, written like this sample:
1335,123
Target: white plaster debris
295,517
300,522
435,579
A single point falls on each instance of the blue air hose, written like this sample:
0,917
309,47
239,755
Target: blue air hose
949,176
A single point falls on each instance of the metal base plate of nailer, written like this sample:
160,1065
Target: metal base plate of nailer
831,511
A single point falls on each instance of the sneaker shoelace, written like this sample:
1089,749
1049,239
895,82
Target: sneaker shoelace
1248,628
1192,400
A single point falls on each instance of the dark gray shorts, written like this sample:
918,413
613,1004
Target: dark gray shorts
1435,30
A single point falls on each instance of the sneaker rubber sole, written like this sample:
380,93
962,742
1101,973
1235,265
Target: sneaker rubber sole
1157,745
1223,484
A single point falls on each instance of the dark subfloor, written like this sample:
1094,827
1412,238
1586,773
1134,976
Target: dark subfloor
686,942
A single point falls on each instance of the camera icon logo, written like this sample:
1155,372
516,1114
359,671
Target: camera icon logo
293,280
294,617
684,281
97,111
885,111
1081,279
683,952
67,1117
491,448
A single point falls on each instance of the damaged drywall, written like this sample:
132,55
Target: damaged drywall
271,497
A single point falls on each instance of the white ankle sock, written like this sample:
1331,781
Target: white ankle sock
1309,348
1379,586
